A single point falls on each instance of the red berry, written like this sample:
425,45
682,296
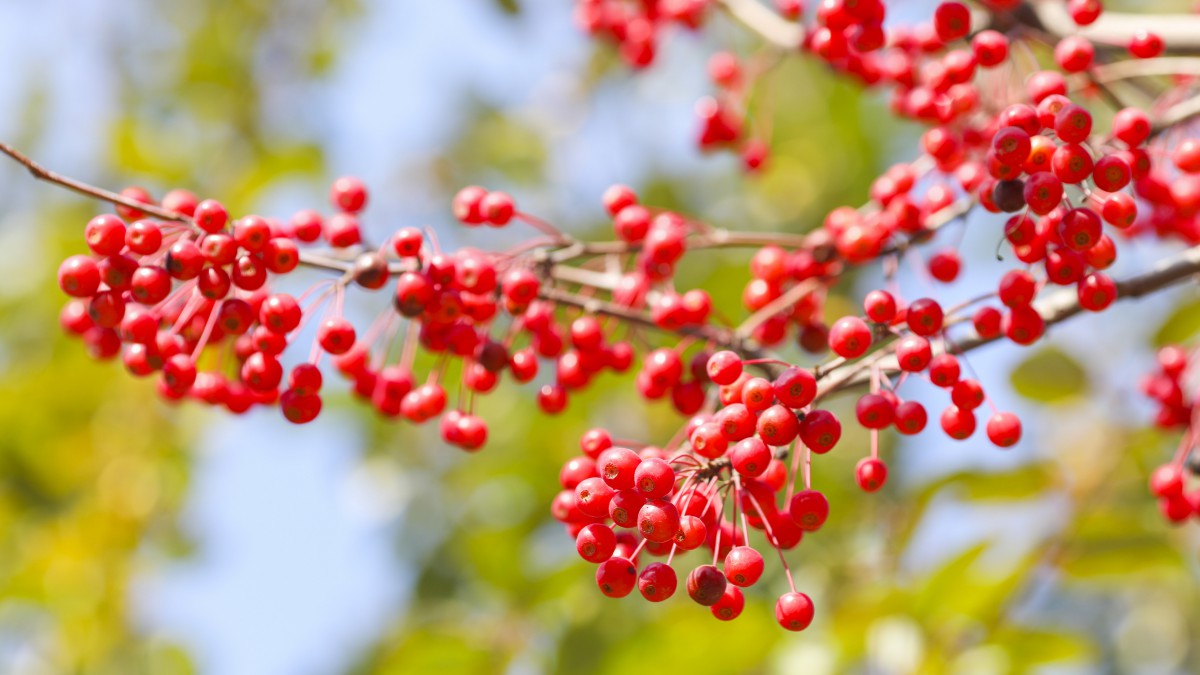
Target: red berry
925,317
654,478
850,337
1004,429
795,387
820,431
871,474
706,585
743,566
911,418
1146,45
1074,53
750,457
951,20
794,611
595,543
657,582
79,276
616,577
731,604
348,194
958,423
809,508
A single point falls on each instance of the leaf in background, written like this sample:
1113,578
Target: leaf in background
1183,323
1031,647
1120,558
1049,376
510,7
1020,483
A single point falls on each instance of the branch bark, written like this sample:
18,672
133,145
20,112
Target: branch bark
1054,308
776,30
1180,32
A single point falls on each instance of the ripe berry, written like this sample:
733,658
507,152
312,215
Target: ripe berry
820,431
595,543
750,457
143,237
616,577
1131,126
731,604
618,466
958,423
777,426
913,353
706,585
795,387
654,478
497,208
990,48
657,582
1011,145
79,276
794,611
1186,155
874,411
592,496
1167,481
809,508
1004,429
911,418
743,566
1084,12
348,194
924,317
879,306
658,520
211,216
1146,45
624,507
945,264
951,20
871,474
850,337
692,532
967,394
1096,292
1073,124
1074,53
105,235
617,197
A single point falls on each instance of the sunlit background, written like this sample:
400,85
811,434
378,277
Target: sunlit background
138,537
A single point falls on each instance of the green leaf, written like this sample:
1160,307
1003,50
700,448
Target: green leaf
1032,647
1049,376
1120,558
1182,324
511,7
1023,482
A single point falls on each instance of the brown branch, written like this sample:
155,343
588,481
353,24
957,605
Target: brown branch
1055,308
1180,32
721,337
773,28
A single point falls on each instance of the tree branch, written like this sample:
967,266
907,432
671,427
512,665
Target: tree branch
1180,32
776,30
1054,309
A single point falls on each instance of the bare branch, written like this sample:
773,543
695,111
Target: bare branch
773,28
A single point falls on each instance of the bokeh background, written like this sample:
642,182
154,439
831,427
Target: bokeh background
139,537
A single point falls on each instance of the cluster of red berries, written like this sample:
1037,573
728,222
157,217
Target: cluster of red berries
1177,410
181,291
619,504
635,27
